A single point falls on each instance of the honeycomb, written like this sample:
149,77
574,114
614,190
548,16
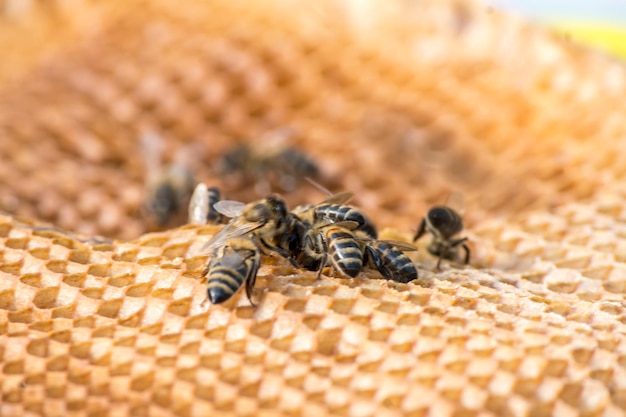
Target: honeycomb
402,103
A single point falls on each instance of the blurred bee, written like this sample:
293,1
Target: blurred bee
266,220
170,187
275,160
387,256
332,244
333,210
235,264
201,205
443,223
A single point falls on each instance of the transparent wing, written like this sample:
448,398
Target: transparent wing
403,246
231,230
339,198
349,225
277,140
229,208
232,260
199,205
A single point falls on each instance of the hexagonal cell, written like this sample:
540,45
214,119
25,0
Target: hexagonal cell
17,243
99,270
126,256
46,298
81,256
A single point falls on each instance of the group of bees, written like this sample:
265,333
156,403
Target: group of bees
170,186
312,237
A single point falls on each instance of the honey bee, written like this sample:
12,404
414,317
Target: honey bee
201,205
443,223
334,210
275,160
266,220
235,264
387,256
170,187
334,244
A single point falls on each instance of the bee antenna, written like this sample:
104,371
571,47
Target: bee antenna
318,186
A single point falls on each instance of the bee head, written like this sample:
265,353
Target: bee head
278,206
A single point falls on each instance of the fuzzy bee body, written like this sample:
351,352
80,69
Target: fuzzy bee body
213,216
236,264
267,220
168,187
390,261
334,244
335,210
443,223
289,165
339,213
169,193
274,161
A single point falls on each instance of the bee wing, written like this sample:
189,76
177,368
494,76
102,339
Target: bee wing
339,198
229,208
232,260
349,225
231,230
199,205
403,246
277,140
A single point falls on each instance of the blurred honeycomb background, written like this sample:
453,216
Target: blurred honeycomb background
75,106
405,103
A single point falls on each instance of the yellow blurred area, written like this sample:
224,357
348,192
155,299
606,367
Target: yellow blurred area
611,39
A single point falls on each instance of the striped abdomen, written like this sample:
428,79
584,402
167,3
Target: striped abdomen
213,216
227,274
391,262
345,252
339,213
444,221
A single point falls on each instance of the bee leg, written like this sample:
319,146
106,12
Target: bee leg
249,287
420,230
251,280
467,253
322,266
461,242
439,263
281,252
250,298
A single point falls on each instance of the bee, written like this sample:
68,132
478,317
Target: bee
333,210
289,165
443,223
266,220
201,205
170,187
275,160
387,256
234,265
334,244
